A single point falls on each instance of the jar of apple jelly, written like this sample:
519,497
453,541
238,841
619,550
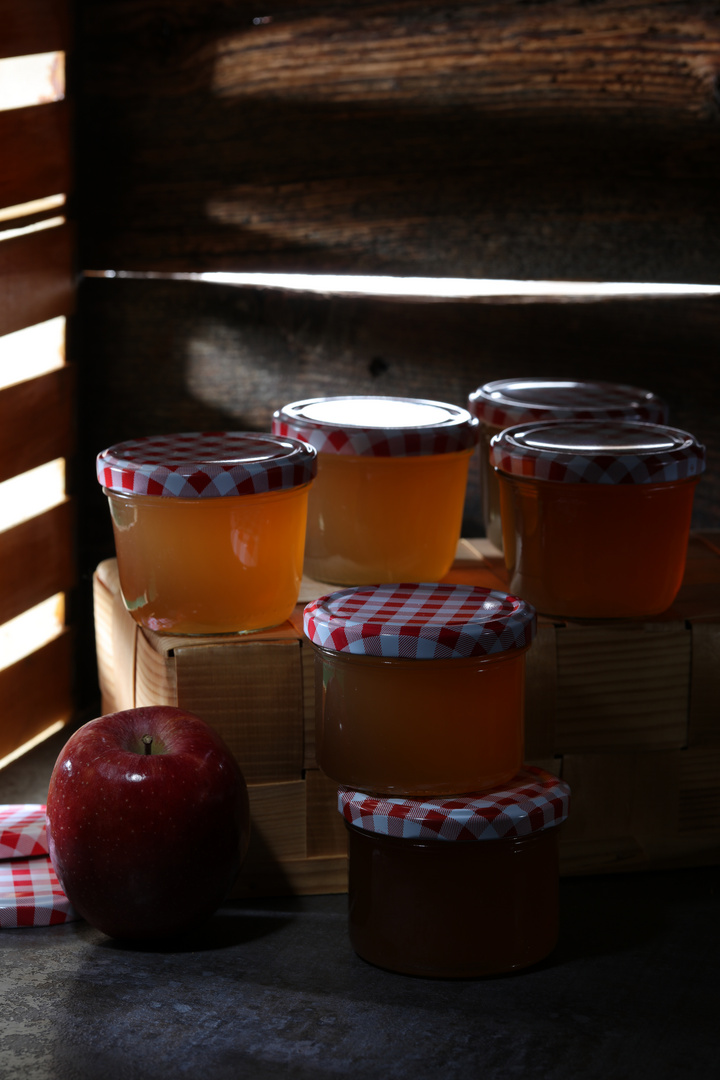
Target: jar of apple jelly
392,473
419,688
459,887
596,515
209,528
507,402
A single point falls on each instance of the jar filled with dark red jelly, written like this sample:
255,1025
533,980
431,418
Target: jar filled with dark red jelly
456,887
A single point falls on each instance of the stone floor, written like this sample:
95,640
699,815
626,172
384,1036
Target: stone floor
272,989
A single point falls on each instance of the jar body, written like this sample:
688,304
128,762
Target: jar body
596,550
489,487
419,727
373,520
208,566
453,909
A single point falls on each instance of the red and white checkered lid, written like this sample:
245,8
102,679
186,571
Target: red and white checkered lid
206,465
507,402
420,622
598,452
532,801
22,830
369,426
30,893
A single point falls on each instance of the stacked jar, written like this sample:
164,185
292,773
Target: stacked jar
453,863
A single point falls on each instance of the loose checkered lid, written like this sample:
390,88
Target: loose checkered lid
205,465
378,426
598,452
22,830
506,402
30,893
532,801
420,622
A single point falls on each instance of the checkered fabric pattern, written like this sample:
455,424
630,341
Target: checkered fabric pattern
598,452
458,431
532,801
507,402
22,830
206,465
30,893
420,622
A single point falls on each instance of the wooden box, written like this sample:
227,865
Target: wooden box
625,711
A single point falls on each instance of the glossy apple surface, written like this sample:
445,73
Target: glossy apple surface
147,844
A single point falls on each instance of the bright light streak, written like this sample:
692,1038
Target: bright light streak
32,80
37,206
26,633
36,350
31,493
35,226
35,741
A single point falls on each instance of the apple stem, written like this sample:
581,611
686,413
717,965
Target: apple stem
147,742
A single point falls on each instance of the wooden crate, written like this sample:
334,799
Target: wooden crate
626,711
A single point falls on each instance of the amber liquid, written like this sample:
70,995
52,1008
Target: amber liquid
596,550
489,487
208,566
453,909
419,727
373,520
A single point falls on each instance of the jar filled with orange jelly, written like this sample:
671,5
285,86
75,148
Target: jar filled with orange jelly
455,888
596,515
507,402
388,501
209,528
420,689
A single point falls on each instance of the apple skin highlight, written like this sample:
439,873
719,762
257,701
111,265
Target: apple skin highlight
147,844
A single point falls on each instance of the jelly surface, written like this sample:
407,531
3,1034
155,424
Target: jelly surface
373,520
596,550
206,566
419,727
453,909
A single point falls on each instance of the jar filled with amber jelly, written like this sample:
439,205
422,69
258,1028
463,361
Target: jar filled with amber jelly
456,887
596,515
507,402
209,528
388,501
420,689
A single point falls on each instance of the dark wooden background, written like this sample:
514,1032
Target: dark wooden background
561,140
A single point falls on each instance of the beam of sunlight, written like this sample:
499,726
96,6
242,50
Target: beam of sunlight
31,743
36,350
31,493
26,633
36,226
37,206
32,80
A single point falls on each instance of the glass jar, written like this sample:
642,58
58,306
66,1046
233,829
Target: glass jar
388,501
209,528
507,402
596,515
460,888
420,689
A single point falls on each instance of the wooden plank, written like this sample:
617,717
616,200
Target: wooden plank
326,833
541,702
33,26
37,421
37,279
622,686
36,153
37,560
704,719
278,814
699,810
295,877
499,139
35,693
251,693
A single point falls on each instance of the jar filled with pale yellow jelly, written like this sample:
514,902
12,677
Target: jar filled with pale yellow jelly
388,501
209,528
456,888
420,688
596,514
507,402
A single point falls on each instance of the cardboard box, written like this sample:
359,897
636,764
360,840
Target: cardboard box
626,711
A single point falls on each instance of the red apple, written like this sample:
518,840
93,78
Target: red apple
147,820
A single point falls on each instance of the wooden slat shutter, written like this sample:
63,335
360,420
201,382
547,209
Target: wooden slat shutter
37,414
